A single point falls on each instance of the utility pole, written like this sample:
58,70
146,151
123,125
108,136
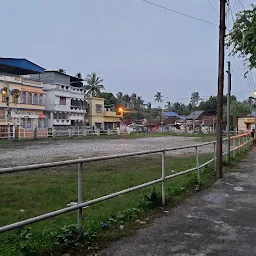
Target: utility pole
219,131
228,112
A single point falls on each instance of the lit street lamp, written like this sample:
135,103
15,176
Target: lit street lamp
254,106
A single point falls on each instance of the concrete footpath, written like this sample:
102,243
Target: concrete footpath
218,221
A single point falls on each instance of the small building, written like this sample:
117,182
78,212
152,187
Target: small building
246,124
202,120
65,103
101,116
22,100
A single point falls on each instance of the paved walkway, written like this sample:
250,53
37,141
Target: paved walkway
218,221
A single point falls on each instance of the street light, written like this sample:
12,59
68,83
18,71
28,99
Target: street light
254,106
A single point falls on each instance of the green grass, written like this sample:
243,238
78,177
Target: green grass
30,194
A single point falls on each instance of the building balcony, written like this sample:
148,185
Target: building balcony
78,109
62,122
110,113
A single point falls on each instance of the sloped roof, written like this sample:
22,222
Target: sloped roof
19,66
170,114
195,115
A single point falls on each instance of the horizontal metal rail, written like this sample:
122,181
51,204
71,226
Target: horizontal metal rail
75,207
91,159
79,161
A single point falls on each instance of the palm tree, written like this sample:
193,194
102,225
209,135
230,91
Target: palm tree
158,98
168,106
94,85
79,75
61,70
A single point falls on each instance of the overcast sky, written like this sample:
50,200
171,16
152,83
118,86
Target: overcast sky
134,46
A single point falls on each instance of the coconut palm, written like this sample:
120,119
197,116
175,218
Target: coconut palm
94,86
61,70
158,98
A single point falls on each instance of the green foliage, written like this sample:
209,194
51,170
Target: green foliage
177,107
195,98
70,236
243,36
151,200
94,85
110,99
158,97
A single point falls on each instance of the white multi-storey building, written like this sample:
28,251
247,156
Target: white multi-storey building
64,102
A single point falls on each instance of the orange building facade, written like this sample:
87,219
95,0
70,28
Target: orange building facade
22,105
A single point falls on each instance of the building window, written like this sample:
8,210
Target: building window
99,108
22,123
29,98
2,114
41,99
55,116
24,97
72,102
35,99
62,100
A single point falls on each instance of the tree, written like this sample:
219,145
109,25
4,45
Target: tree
242,37
110,99
127,100
158,98
79,75
195,98
94,85
168,106
179,108
238,109
61,70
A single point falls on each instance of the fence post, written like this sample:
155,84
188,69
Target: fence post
239,145
197,166
243,143
234,146
163,177
226,150
35,133
84,132
214,153
80,196
70,132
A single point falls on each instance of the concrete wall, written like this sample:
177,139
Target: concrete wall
51,78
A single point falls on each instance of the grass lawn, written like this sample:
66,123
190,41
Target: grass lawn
33,193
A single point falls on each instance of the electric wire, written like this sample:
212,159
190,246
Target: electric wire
209,1
179,13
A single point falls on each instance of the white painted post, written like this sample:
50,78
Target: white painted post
80,196
85,132
234,145
70,132
197,166
163,177
226,150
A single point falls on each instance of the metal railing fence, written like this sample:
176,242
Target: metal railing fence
239,142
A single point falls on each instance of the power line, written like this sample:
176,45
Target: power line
213,7
180,13
241,3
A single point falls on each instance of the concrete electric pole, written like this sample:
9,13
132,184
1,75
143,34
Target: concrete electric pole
219,131
228,112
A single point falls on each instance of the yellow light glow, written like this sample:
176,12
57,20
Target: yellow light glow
3,92
120,109
255,93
